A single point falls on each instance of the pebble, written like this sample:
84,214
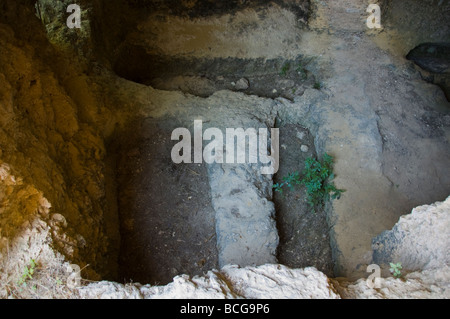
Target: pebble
301,135
59,219
304,148
242,84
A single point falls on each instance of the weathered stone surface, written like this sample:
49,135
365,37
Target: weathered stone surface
245,224
47,137
428,284
263,282
420,240
277,281
241,195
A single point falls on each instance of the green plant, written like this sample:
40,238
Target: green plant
318,85
285,69
28,272
395,269
317,178
302,70
290,181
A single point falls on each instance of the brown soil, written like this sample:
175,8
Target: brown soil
167,222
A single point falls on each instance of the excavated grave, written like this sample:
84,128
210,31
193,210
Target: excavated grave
165,212
242,222
189,218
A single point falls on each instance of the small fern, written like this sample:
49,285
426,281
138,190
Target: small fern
28,272
395,269
290,181
318,179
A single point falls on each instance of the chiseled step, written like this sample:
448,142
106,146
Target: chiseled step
241,193
245,226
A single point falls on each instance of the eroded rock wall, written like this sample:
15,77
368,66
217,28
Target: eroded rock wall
419,240
47,141
430,280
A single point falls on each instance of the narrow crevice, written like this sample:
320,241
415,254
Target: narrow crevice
207,8
304,235
202,77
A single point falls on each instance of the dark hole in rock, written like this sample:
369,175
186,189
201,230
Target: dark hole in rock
204,8
434,58
203,76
